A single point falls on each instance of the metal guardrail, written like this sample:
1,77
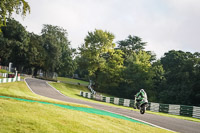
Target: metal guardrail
183,110
7,80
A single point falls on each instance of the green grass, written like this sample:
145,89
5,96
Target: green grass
18,116
175,116
22,77
74,92
70,89
75,81
20,90
21,116
4,71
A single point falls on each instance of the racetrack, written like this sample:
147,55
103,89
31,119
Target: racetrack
40,87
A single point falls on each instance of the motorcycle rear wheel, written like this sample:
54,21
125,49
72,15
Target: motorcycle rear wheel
142,109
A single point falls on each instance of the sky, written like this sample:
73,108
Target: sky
164,24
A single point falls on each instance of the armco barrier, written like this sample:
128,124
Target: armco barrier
190,111
174,109
3,75
6,80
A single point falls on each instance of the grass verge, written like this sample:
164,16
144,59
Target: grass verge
75,81
21,116
4,71
20,90
74,92
38,118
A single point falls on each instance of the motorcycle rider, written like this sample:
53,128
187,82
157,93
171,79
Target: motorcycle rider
141,95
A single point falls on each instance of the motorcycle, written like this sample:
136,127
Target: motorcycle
141,105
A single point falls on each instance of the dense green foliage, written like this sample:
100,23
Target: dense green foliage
124,70
101,59
182,78
29,52
7,7
120,69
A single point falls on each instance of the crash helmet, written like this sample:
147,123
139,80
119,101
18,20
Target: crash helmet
141,90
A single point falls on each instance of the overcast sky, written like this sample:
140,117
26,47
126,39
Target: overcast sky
163,24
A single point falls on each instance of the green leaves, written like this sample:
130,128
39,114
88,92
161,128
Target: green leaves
131,44
97,44
102,61
182,78
49,52
58,53
14,41
138,72
7,7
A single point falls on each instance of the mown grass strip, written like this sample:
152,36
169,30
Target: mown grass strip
32,117
87,110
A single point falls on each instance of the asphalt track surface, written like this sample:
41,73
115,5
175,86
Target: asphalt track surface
41,87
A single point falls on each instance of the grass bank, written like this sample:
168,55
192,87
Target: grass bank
75,81
17,116
20,90
4,71
22,116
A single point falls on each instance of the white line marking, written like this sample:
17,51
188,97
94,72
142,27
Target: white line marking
139,120
29,86
55,89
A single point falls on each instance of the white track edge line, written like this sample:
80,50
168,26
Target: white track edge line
29,86
139,120
42,95
55,88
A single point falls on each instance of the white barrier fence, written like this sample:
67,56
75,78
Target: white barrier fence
3,75
191,111
7,80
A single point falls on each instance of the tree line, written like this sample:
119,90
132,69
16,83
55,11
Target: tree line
125,68
30,52
120,68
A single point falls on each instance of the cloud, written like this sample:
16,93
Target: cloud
164,24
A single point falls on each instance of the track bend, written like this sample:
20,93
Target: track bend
40,87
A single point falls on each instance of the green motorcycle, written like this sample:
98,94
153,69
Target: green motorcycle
141,105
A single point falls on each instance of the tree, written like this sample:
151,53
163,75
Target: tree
110,76
96,44
101,60
81,67
68,65
158,78
56,46
36,53
131,44
5,49
195,96
138,73
14,41
182,76
7,7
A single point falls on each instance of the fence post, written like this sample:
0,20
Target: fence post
196,112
